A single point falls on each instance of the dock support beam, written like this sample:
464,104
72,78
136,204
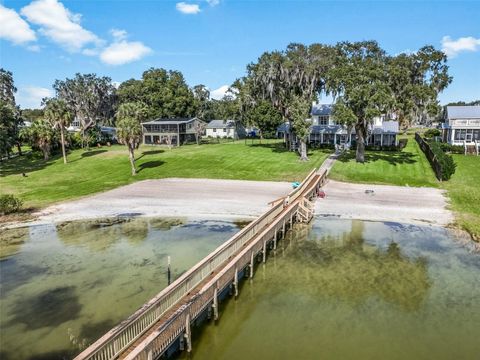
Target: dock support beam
252,259
215,304
275,240
264,251
188,333
235,282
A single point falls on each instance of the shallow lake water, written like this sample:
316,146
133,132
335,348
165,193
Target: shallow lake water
63,286
341,289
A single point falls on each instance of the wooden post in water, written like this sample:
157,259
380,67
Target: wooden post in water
275,239
188,334
150,354
283,229
251,265
215,305
169,274
264,251
235,282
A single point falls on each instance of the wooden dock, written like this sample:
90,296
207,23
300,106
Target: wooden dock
151,330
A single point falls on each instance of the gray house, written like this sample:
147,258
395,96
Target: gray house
174,131
462,125
225,129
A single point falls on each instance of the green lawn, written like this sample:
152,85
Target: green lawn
105,168
464,192
408,167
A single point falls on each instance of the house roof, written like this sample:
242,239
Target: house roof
327,129
169,121
285,127
322,109
221,124
463,112
390,126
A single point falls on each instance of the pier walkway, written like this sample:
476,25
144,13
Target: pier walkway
167,318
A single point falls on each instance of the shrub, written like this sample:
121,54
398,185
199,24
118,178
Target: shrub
402,143
446,161
454,149
9,204
430,133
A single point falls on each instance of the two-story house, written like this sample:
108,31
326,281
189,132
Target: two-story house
462,125
382,131
175,131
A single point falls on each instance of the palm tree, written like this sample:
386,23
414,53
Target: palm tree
57,114
40,135
129,127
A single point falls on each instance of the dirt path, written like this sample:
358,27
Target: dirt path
385,203
197,198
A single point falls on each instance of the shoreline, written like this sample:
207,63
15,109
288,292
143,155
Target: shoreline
214,199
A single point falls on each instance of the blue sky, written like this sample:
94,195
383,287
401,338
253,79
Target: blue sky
211,42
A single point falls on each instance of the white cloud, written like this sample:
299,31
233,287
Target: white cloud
213,2
31,96
118,34
14,28
59,24
219,93
123,52
187,8
453,47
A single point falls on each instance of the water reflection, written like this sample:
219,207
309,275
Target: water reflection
12,240
64,285
341,289
346,266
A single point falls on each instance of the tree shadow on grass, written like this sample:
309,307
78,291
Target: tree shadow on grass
93,153
392,157
150,152
25,164
275,147
150,164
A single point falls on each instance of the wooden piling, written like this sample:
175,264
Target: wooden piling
252,259
264,251
235,282
188,334
215,304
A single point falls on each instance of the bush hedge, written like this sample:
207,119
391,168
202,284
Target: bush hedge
430,133
446,161
454,149
9,204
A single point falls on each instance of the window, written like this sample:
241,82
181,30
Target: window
467,134
214,130
460,134
323,120
224,130
476,134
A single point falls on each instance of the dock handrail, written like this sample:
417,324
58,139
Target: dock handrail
120,337
157,342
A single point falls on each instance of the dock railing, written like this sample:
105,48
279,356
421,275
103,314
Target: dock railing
157,342
119,338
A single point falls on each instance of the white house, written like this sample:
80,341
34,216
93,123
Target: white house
225,129
382,131
462,125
